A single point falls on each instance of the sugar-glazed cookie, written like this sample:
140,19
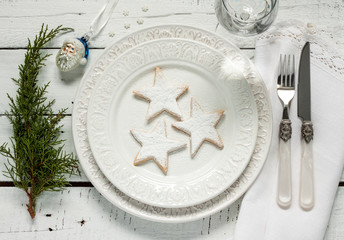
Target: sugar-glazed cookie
155,146
162,96
201,126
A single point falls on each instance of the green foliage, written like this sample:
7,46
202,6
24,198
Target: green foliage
36,161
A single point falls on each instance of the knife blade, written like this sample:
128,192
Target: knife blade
304,113
304,85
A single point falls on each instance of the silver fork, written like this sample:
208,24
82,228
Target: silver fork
285,92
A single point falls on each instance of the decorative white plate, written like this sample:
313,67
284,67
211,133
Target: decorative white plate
114,110
132,206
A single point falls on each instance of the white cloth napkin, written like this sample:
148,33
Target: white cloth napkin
260,217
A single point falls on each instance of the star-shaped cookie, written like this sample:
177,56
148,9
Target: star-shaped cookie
162,96
201,126
155,146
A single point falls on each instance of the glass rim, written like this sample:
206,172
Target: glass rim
270,12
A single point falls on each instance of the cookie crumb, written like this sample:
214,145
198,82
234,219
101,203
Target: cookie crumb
145,8
112,34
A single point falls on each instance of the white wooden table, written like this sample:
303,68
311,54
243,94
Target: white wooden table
80,212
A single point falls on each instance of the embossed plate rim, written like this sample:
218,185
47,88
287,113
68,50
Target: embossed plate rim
145,211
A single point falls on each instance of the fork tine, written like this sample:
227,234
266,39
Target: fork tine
280,71
285,70
289,72
293,73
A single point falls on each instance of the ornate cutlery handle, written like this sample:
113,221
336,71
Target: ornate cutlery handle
307,179
284,195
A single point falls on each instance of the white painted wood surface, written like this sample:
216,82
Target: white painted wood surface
81,212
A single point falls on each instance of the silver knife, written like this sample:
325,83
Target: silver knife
304,112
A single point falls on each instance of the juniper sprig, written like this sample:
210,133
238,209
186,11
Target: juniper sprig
36,161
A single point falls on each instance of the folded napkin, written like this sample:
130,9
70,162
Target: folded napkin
260,217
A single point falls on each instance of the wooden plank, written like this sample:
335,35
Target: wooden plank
23,18
85,214
63,86
82,213
79,15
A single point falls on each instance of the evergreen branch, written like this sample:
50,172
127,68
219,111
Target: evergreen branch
36,161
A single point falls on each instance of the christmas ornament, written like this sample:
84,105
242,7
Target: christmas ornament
74,51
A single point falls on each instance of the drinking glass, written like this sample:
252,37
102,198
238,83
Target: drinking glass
246,17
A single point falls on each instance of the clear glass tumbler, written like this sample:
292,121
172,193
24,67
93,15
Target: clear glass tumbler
246,17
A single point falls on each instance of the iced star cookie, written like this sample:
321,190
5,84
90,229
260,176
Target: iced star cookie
201,126
155,146
161,96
